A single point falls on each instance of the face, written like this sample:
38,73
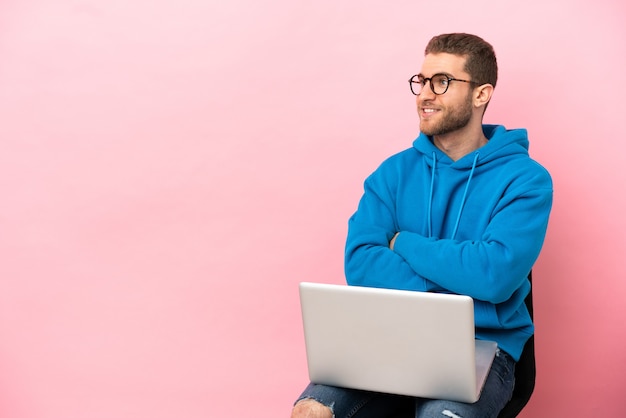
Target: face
451,111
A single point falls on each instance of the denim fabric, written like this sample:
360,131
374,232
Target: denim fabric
352,403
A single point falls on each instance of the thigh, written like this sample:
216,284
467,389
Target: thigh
496,393
352,403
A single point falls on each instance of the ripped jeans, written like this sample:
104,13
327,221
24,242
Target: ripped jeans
351,403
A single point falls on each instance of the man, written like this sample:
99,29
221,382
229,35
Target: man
464,211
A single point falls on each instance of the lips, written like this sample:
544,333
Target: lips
427,111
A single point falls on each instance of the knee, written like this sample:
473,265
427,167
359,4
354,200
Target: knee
309,408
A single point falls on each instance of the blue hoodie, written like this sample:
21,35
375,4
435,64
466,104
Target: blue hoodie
474,226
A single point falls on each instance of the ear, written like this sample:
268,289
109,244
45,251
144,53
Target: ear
482,95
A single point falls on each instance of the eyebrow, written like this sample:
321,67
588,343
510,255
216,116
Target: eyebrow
439,72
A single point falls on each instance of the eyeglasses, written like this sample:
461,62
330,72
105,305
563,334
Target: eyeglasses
439,83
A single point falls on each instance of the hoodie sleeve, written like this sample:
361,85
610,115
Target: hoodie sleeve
368,259
493,267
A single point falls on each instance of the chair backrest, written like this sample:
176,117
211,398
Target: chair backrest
525,371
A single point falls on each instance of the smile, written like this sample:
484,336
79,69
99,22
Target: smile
428,111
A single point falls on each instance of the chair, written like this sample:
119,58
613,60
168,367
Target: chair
525,371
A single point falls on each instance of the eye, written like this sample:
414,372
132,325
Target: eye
440,80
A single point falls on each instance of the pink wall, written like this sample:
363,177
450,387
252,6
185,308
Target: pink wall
170,170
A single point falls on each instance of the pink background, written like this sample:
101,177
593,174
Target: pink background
170,170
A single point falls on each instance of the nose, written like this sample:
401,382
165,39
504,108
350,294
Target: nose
426,96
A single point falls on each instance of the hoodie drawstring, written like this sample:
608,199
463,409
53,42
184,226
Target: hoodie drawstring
430,198
469,179
432,188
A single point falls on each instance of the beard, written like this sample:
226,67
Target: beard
453,119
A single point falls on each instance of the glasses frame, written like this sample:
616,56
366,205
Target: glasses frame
413,80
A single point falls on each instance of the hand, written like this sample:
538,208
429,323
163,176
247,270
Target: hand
393,241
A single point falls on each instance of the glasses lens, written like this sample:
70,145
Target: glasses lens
416,85
439,83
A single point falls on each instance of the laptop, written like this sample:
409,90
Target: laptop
394,341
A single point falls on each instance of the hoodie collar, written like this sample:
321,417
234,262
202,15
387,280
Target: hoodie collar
500,142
